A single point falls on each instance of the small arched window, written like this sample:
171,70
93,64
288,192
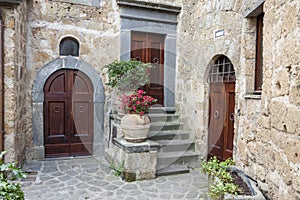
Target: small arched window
69,46
222,70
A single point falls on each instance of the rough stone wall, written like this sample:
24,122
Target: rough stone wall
268,145
15,73
197,48
96,29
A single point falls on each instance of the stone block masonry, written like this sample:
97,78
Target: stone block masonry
266,125
138,160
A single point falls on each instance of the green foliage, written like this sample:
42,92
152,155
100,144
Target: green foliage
127,74
119,170
222,181
9,190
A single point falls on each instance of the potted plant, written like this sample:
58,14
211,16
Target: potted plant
135,125
125,77
220,181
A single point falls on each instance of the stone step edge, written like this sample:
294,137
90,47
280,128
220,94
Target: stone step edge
176,154
167,133
172,170
175,142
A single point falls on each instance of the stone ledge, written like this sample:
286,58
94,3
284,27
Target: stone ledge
130,147
252,96
148,5
10,2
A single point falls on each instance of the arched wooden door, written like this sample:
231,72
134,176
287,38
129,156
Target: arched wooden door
68,114
221,109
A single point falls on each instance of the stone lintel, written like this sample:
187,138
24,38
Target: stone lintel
130,147
10,2
257,10
149,5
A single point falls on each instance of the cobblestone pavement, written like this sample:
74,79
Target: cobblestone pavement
91,178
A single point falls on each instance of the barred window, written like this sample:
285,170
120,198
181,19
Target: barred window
222,70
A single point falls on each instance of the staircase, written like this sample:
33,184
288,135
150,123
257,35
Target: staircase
177,148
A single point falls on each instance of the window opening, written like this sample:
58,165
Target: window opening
259,56
69,47
222,71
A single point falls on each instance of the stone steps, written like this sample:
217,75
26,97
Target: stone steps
163,126
161,117
177,149
165,159
173,169
168,135
176,145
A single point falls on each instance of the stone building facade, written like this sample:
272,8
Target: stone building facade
266,124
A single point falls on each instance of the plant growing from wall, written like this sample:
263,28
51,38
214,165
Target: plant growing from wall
127,74
9,190
222,182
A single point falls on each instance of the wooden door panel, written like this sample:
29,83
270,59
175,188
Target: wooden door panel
81,149
58,85
217,108
68,114
57,116
82,120
149,48
228,137
221,120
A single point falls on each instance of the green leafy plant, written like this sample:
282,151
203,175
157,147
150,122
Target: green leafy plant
127,74
9,190
119,170
222,181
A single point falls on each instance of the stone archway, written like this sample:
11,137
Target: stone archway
38,103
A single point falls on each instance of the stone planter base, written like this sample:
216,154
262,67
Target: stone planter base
256,193
139,159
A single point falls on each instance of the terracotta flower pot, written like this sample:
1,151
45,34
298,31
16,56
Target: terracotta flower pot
135,128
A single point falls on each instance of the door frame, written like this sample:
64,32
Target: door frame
154,18
38,103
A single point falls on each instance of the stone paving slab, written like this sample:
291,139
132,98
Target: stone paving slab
90,178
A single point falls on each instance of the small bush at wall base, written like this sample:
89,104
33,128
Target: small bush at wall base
222,182
9,190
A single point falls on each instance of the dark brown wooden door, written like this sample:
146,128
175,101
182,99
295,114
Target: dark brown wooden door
221,109
221,120
149,48
68,114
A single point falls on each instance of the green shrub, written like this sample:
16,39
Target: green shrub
127,74
222,181
9,190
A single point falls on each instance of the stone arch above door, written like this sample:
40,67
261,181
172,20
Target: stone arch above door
38,103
